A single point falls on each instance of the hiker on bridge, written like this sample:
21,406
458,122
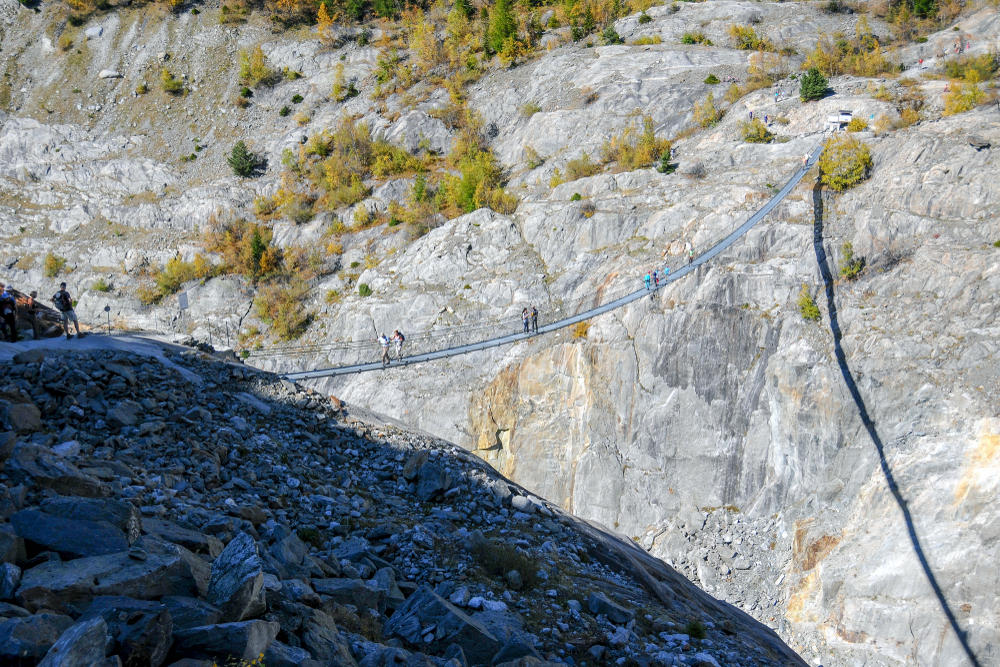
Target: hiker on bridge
647,279
534,319
383,340
398,338
524,319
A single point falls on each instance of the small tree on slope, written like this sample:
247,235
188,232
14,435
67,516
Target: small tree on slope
812,85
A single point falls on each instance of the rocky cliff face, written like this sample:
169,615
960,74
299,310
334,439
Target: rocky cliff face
710,422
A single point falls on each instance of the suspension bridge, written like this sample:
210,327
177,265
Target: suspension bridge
454,340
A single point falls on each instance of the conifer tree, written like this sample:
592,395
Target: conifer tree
502,25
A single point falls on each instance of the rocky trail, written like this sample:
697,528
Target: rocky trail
159,505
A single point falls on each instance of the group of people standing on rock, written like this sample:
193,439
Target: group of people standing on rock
27,307
396,340
529,320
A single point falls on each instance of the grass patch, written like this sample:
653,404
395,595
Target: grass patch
498,558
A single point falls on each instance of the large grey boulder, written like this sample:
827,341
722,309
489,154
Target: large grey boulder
121,514
85,643
424,609
283,655
69,537
71,585
244,640
185,537
385,581
198,567
289,551
236,586
599,603
33,464
432,481
188,612
142,630
358,592
323,639
31,636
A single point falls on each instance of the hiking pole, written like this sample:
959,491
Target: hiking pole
107,309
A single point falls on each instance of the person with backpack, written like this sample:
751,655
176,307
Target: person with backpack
647,280
398,338
534,319
64,304
524,319
8,313
383,340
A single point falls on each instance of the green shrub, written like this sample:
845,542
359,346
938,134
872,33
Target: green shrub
532,158
364,290
635,148
343,89
962,97
755,132
610,36
860,55
972,69
845,162
706,114
281,306
850,266
711,79
246,92
857,124
812,85
243,162
695,38
644,18
807,306
296,98
176,272
284,111
529,109
53,265
101,285
581,167
245,247
664,166
647,39
254,68
169,83
746,38
695,629
576,197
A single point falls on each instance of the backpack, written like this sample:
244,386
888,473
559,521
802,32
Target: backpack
7,305
62,301
401,336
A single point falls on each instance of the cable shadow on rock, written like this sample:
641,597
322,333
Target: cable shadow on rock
828,280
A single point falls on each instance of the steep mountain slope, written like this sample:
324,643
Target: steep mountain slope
168,504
